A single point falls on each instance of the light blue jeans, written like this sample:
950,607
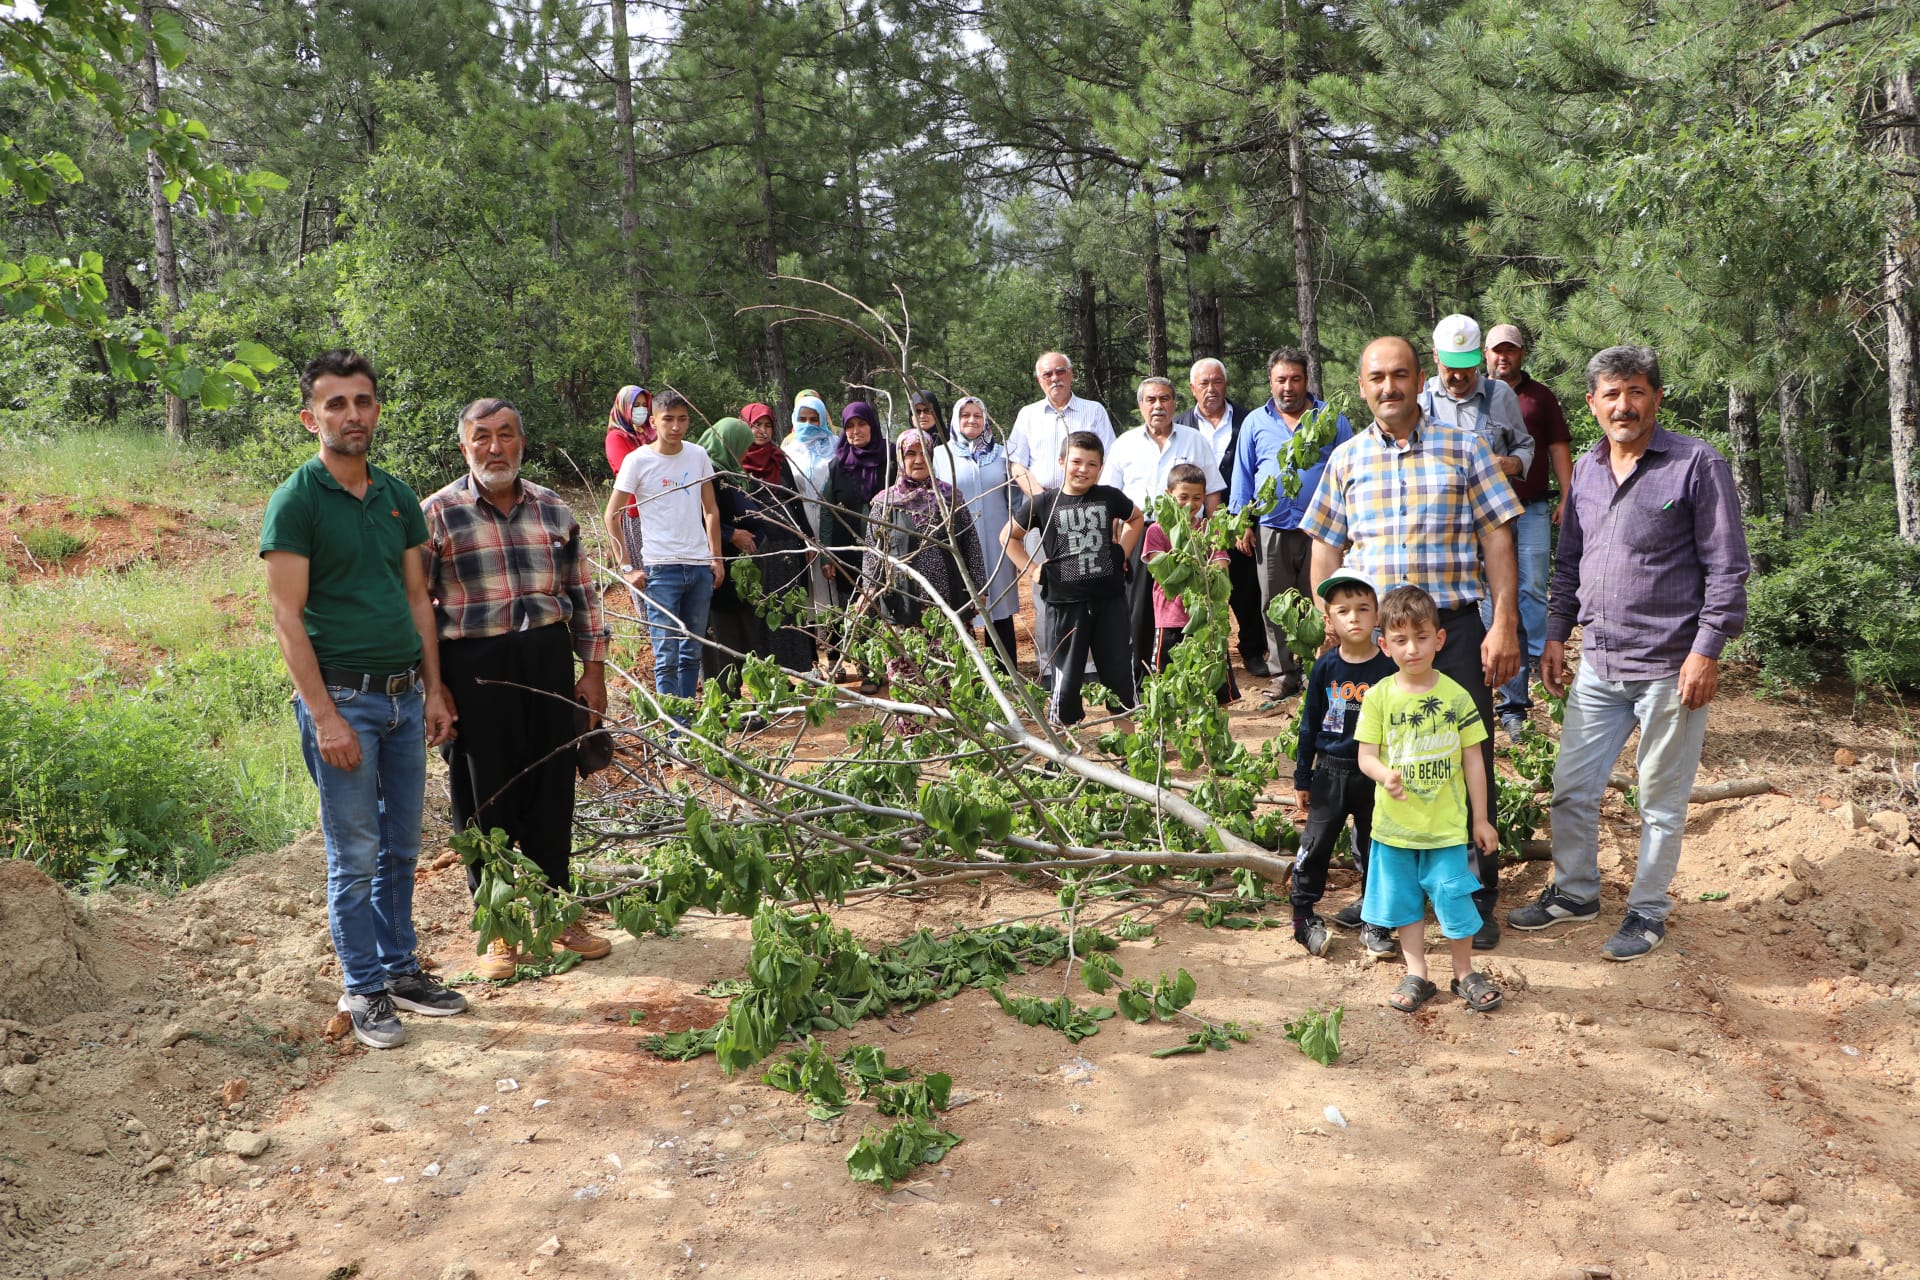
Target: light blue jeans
1533,547
679,597
1600,716
370,817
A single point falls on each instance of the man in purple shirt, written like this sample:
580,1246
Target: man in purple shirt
1653,565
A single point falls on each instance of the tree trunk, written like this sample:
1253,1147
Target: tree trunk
1203,303
1087,318
639,340
166,265
1799,479
1156,290
776,343
306,209
1901,276
1743,426
1305,300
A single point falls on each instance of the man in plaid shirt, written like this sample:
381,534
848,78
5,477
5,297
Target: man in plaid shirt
515,605
1410,501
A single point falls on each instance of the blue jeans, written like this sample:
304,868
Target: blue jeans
370,817
1533,547
1601,714
678,597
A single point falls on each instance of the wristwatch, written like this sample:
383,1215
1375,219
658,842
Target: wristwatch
626,568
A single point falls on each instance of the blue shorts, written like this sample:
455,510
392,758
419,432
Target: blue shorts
1400,883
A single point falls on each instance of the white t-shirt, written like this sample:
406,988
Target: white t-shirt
1138,467
1040,430
673,527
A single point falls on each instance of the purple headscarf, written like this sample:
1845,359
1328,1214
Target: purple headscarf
867,461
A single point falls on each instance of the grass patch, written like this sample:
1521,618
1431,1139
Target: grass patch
151,606
50,546
102,470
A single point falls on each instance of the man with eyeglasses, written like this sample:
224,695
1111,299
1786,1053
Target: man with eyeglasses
1034,450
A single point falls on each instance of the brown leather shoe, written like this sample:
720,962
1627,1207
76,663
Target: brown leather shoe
499,963
591,946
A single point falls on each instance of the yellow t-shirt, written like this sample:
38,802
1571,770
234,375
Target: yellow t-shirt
1423,736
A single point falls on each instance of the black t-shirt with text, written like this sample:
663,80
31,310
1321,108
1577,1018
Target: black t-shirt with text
1076,532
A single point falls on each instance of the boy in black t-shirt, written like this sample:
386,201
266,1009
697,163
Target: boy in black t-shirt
1326,766
1088,530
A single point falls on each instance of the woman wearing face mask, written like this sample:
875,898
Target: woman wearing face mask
975,464
925,414
783,557
630,425
862,466
809,448
920,522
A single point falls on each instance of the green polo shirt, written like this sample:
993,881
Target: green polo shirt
356,614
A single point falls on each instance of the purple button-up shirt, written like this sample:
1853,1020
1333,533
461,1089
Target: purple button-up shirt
1653,568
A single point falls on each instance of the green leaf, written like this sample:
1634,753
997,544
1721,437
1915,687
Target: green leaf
256,357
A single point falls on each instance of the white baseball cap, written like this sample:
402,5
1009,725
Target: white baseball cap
1456,342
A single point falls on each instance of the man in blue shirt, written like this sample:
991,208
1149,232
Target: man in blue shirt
1283,554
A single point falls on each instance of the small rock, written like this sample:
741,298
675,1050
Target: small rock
259,1246
737,1109
1892,824
18,1079
1775,1189
1554,1134
1793,895
1582,1019
339,1025
1872,1254
1654,1114
173,1035
963,1253
208,1173
242,1143
1569,1273
1796,1213
157,1166
1802,870
233,1091
1665,1042
1821,1240
551,1248
1683,1195
1849,816
318,898
241,1229
381,1126
87,1140
1845,759
458,1271
1426,1238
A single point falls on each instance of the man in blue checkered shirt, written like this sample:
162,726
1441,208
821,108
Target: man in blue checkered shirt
1408,500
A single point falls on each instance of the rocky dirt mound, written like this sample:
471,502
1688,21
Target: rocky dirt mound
44,973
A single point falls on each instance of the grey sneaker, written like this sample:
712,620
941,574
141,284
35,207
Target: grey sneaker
1348,917
1515,723
1311,933
422,993
1550,908
375,1024
1378,941
1637,936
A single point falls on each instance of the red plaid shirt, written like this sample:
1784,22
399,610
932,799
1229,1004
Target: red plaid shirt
490,573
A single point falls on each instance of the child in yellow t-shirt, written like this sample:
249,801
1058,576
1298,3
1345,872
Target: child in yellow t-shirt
1415,731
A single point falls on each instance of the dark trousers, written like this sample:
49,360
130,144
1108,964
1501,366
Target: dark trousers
1337,792
1096,628
1459,661
1140,628
1009,639
738,629
1286,562
503,769
1244,575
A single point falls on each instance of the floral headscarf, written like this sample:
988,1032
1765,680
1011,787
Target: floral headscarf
980,449
632,413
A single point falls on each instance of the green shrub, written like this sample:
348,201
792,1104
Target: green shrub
50,546
1842,596
160,783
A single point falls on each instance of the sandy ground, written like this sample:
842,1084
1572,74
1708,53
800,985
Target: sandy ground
1741,1104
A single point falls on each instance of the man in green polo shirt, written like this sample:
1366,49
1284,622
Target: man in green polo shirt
348,584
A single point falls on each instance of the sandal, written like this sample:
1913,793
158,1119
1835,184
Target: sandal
1477,992
1411,994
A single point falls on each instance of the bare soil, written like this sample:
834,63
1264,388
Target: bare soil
115,535
1742,1103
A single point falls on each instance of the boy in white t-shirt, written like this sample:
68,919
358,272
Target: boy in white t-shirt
680,563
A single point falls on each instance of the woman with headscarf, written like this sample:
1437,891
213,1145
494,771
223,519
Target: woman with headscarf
825,419
733,624
921,522
630,425
924,413
862,466
975,464
809,447
786,530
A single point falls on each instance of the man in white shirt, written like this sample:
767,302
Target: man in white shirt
1460,395
1137,465
1041,429
1219,419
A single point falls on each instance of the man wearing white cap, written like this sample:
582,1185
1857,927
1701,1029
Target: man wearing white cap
1459,395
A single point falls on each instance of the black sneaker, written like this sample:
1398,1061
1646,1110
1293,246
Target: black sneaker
375,1024
1312,934
1637,937
1377,940
1348,917
1489,936
421,993
1553,907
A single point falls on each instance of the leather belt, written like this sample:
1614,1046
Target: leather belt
393,686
